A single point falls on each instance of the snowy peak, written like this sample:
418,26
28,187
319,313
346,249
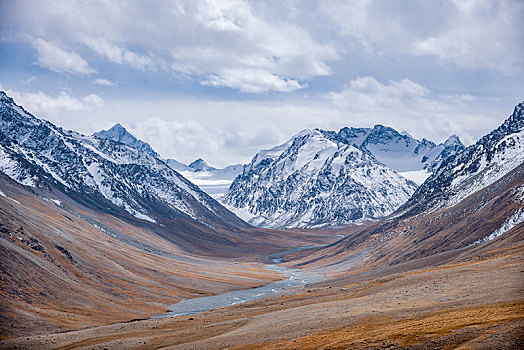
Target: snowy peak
435,157
321,177
100,172
473,168
384,135
453,141
200,165
316,179
119,134
176,165
399,151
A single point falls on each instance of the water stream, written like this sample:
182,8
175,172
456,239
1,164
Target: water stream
294,278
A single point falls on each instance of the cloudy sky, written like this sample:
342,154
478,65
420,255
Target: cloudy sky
223,79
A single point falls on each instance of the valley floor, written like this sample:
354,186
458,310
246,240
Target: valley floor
474,303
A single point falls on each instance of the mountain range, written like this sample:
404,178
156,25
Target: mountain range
110,176
213,181
327,178
95,231
475,196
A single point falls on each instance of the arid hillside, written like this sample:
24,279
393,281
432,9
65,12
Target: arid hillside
66,266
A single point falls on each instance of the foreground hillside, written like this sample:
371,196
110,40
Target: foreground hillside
94,232
474,302
66,266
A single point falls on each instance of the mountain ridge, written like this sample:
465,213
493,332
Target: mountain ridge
103,173
248,195
474,168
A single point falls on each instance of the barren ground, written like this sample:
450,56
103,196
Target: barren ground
469,304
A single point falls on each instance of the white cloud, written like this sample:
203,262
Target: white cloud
46,106
407,105
29,81
104,82
253,81
118,55
58,60
230,132
227,43
483,34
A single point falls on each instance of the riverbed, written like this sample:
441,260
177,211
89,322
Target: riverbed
295,278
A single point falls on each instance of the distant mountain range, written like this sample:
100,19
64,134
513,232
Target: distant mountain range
318,178
328,178
312,192
473,202
105,174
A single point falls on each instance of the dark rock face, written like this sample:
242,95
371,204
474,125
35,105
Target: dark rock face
99,171
323,178
474,168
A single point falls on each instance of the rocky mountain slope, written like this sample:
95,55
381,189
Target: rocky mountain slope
209,179
66,266
476,167
316,179
474,200
101,172
323,177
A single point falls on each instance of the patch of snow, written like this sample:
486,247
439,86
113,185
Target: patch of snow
12,169
55,201
141,216
417,176
511,222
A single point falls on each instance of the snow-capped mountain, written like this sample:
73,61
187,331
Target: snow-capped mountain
474,168
211,180
99,170
317,178
200,165
401,152
296,184
119,134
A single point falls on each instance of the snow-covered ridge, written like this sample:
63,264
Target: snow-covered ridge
313,180
320,177
475,167
211,180
33,151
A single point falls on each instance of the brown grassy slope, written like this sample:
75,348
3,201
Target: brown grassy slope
473,304
61,271
428,237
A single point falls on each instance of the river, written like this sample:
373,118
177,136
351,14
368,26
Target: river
294,278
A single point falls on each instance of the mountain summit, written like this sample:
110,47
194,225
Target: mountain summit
316,179
329,178
119,134
200,165
103,173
